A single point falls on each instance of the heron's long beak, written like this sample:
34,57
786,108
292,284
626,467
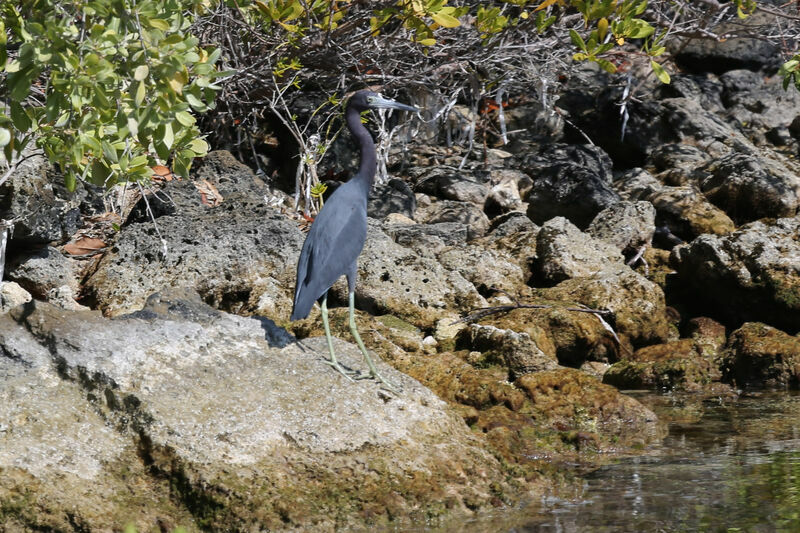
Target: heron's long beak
381,102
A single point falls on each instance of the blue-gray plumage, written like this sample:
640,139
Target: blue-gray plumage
339,231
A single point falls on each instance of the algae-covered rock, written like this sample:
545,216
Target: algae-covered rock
572,401
572,337
519,352
679,365
636,304
751,275
758,355
182,415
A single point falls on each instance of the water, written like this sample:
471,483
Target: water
731,465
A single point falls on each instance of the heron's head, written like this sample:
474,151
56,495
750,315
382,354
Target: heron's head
363,100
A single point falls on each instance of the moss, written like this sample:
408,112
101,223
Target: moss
391,321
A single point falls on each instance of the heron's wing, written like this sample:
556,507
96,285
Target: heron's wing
332,246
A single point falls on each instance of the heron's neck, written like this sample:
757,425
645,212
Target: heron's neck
368,164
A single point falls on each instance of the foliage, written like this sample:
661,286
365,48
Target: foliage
461,51
790,71
110,88
106,87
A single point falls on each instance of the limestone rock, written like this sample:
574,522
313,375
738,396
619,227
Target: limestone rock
629,226
576,402
467,214
758,355
521,353
678,365
682,210
449,183
748,187
42,271
752,274
12,295
572,181
637,305
395,196
563,252
395,280
102,418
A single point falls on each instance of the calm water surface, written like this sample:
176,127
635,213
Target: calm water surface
725,466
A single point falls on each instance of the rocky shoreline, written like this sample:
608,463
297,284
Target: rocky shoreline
149,373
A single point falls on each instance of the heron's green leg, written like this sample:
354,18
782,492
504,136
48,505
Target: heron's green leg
333,362
372,370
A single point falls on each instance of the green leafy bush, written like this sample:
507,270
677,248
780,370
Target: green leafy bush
105,87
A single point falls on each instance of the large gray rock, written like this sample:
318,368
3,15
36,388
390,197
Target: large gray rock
465,213
183,415
752,274
42,271
675,156
627,225
748,187
760,106
427,239
43,211
489,270
563,251
449,183
703,54
241,254
395,196
573,181
683,210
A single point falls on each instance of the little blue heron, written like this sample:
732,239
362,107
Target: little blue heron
339,231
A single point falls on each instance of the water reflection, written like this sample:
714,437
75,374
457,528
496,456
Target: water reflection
725,466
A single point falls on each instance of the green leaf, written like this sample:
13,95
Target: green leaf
92,143
169,136
5,136
185,118
20,83
199,147
141,72
70,180
195,102
109,151
140,92
159,24
19,117
639,29
138,161
445,20
577,40
133,126
661,74
607,65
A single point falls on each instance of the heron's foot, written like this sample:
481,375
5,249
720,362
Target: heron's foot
385,383
341,369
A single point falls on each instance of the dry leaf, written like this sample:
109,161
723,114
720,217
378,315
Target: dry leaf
161,173
209,194
85,246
